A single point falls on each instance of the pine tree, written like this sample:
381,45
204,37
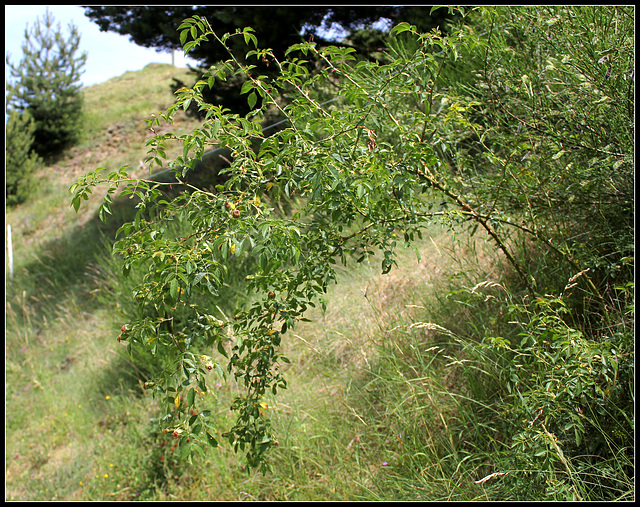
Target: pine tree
20,160
45,83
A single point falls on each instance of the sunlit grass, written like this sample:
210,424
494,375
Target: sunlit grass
132,96
66,380
388,396
345,425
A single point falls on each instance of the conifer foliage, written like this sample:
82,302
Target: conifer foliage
45,82
20,160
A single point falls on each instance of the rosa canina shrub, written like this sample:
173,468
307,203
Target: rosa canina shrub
405,144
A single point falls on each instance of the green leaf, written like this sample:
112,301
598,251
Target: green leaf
104,207
215,127
221,349
212,441
173,289
252,99
185,450
191,396
401,27
247,85
249,37
188,47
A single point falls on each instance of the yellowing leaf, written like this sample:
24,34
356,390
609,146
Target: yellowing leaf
177,401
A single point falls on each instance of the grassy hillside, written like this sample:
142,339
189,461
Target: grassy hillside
58,374
77,419
387,398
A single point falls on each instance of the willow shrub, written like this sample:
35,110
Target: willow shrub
554,160
408,142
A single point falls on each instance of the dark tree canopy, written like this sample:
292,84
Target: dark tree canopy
276,27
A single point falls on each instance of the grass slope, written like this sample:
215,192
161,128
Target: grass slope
77,424
64,377
377,405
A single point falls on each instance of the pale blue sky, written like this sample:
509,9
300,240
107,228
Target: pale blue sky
108,54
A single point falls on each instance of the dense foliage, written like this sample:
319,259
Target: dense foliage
45,83
554,158
498,129
277,27
20,160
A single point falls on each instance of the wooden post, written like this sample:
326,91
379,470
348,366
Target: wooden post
173,57
10,248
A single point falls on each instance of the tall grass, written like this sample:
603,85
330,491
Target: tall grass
70,393
402,389
391,394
